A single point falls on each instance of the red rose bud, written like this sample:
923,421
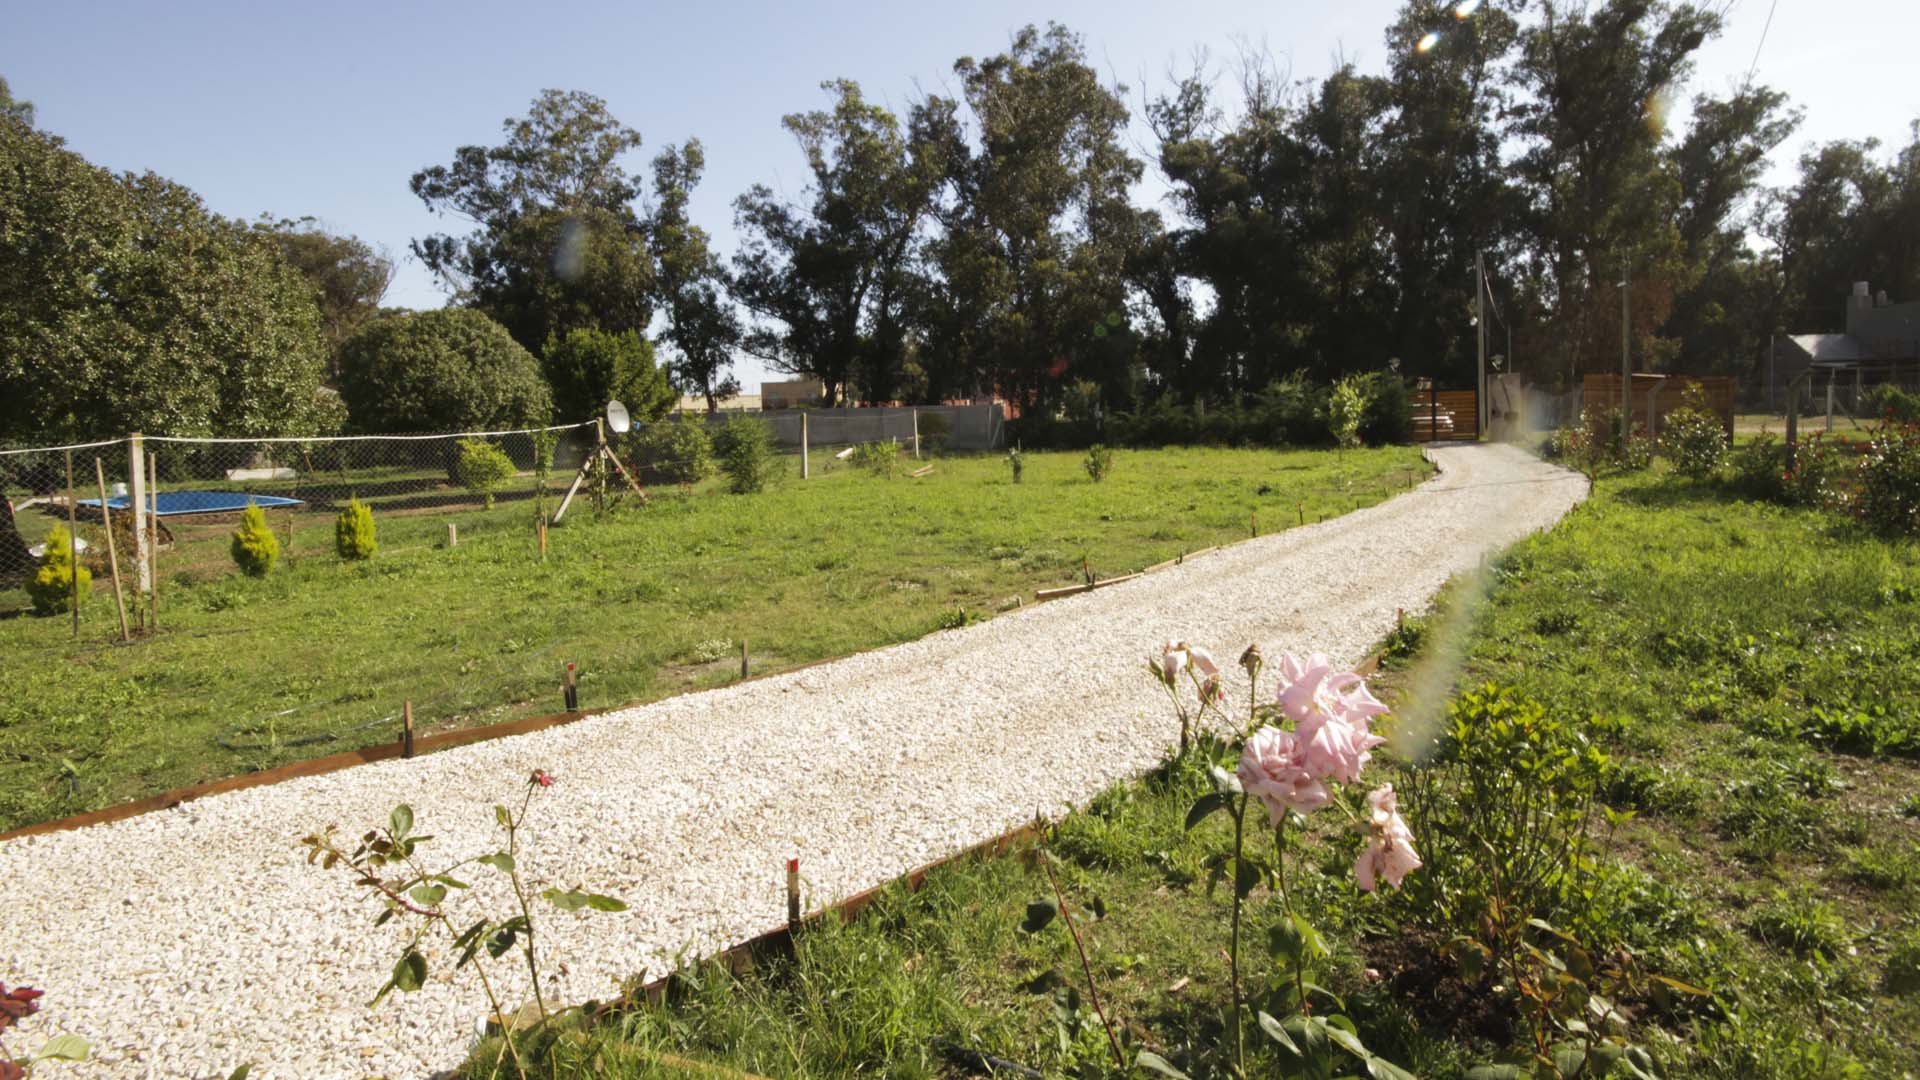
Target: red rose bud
541,777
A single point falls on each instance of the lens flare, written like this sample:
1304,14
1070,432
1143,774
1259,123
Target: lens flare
1658,109
1465,8
1427,43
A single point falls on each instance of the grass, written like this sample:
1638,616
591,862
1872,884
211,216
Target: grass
319,656
1744,848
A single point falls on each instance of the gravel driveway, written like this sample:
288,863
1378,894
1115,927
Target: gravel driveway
187,942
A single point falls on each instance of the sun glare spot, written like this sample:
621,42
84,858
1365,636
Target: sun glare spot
1427,43
1465,8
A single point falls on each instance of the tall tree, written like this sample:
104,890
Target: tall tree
126,306
349,277
557,243
1594,87
1730,299
1850,217
827,279
1037,235
701,326
13,108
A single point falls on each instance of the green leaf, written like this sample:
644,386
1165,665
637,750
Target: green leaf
450,883
1348,1041
1039,914
500,861
1381,1069
1206,806
470,935
428,895
1496,1072
570,900
1278,1034
1246,875
64,1048
241,1072
1153,1062
500,815
409,973
401,821
604,903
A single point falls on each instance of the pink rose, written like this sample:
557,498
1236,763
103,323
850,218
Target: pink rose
1389,853
1273,769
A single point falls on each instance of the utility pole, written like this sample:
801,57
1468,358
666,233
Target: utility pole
1626,357
1480,342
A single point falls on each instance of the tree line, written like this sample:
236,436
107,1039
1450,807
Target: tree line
994,242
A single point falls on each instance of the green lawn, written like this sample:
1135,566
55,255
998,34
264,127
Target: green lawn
1752,675
319,656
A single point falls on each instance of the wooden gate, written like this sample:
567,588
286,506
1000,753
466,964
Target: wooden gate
1445,414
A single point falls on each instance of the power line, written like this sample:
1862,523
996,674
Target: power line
1751,68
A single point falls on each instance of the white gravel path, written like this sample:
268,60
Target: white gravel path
186,942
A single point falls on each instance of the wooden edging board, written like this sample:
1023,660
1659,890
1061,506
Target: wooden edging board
311,767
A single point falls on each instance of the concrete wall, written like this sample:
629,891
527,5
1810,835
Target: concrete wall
975,427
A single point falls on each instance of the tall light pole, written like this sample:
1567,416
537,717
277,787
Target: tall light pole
1626,358
1480,343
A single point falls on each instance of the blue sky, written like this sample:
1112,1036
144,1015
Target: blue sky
328,109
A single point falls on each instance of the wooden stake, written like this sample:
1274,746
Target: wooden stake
1302,508
916,434
540,527
743,658
572,693
805,471
73,546
137,491
793,895
406,730
153,549
1253,522
1400,618
113,557
453,535
289,551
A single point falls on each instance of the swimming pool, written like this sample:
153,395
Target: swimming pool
197,502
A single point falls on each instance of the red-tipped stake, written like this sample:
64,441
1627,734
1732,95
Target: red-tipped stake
572,693
793,895
406,731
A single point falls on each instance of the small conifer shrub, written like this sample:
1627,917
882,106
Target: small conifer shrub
255,547
353,531
51,587
481,467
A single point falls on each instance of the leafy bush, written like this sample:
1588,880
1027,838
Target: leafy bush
353,531
1346,406
1892,403
588,368
1887,495
879,458
1504,803
676,450
479,466
1099,462
745,449
1290,411
1017,462
255,547
52,585
1816,464
935,430
448,370
1694,440
1388,417
1756,470
1903,963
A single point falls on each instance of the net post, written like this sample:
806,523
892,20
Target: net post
113,556
73,547
137,498
153,548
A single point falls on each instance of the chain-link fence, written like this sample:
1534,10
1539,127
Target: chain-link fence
173,503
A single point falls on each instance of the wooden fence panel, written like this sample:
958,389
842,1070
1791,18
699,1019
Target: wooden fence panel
1445,414
1654,396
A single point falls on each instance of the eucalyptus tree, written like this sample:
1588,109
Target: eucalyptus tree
1037,227
556,242
701,326
830,281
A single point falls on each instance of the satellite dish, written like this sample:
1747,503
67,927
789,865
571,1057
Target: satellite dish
617,418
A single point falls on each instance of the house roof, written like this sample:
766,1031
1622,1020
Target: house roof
1829,348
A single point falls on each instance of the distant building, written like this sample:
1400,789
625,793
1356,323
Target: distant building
1880,343
785,395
